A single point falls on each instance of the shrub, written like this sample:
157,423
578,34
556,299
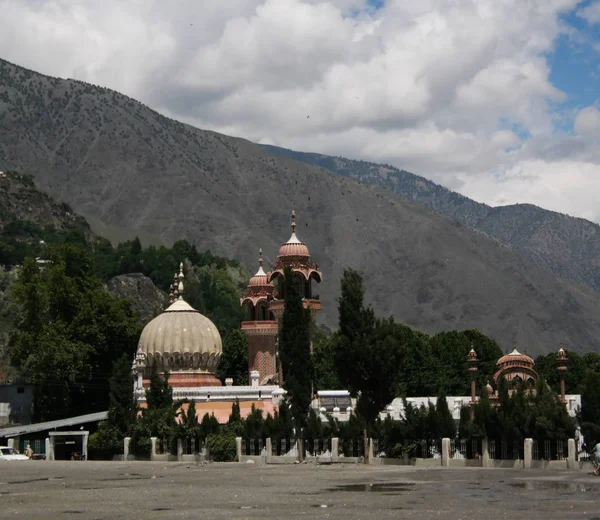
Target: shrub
221,447
105,443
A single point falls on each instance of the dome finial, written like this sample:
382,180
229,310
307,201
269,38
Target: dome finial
260,258
180,284
293,221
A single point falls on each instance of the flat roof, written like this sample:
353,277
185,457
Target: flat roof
15,431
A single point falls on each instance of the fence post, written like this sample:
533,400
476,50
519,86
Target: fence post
50,448
238,448
445,452
370,451
572,455
485,454
126,442
527,448
153,441
335,449
180,449
268,450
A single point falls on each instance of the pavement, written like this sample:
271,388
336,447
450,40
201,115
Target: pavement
151,490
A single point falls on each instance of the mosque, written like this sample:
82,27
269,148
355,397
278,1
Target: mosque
188,345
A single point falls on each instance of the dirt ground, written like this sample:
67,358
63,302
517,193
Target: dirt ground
107,490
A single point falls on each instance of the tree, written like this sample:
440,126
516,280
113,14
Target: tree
69,334
158,394
234,361
123,408
326,377
294,352
446,424
589,414
122,413
367,351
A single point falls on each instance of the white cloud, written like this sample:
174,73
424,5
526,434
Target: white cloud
591,13
435,87
587,121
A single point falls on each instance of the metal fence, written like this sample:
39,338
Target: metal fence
316,447
284,447
193,446
502,449
352,448
429,449
548,450
253,447
165,446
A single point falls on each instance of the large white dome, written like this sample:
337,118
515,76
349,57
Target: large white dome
181,339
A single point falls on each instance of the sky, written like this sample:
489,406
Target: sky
496,99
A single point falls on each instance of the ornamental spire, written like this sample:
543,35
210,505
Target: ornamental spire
260,258
293,221
180,284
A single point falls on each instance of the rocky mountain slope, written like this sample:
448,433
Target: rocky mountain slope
115,159
566,246
146,299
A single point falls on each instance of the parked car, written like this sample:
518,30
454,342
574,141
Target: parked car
7,453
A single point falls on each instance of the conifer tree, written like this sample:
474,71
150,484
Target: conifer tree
295,355
122,411
447,426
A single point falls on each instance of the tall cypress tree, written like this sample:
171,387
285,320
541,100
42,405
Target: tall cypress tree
122,411
294,352
446,424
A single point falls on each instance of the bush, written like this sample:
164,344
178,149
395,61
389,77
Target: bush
105,443
141,447
221,447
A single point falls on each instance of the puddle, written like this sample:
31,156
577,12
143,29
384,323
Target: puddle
387,487
322,506
553,485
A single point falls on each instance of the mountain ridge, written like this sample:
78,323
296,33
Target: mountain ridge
566,246
111,157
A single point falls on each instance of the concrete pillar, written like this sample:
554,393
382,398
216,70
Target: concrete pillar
84,444
335,449
572,454
180,449
50,448
485,455
47,447
445,452
370,451
254,375
238,448
268,449
528,448
126,442
153,441
13,443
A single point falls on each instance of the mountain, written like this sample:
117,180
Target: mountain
125,165
567,246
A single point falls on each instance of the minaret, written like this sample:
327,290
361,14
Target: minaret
260,326
561,362
294,253
472,360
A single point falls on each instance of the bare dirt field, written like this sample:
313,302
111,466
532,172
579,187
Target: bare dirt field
148,490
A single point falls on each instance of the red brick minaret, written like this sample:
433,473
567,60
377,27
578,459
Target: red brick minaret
260,327
295,254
